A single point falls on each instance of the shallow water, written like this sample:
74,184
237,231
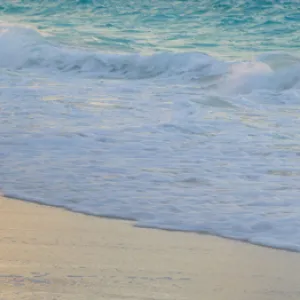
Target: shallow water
180,115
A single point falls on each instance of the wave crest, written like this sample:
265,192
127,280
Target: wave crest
26,48
22,47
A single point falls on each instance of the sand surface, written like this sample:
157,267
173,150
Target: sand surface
50,253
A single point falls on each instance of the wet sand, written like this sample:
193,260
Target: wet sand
50,253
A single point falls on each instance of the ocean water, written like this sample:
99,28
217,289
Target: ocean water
180,115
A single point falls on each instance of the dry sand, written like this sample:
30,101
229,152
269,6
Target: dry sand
50,253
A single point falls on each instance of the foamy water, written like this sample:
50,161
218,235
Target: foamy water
181,116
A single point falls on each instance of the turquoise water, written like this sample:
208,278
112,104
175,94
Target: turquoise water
225,28
180,115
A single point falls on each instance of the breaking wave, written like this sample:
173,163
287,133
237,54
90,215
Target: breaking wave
26,48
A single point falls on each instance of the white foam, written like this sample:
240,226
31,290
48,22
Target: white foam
199,145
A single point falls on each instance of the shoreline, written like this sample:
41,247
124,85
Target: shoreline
133,223
52,253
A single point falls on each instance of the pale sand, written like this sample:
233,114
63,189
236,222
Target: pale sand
49,253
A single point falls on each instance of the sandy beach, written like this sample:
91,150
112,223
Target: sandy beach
50,253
